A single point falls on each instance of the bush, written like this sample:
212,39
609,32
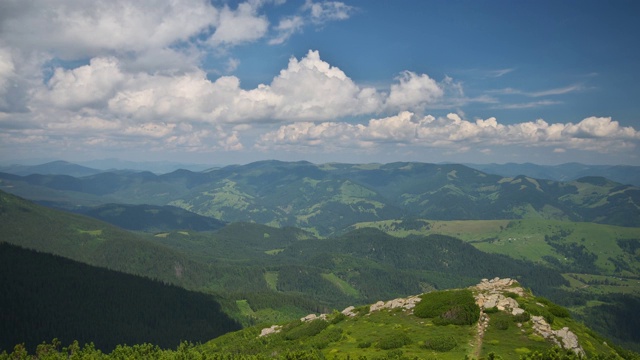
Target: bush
512,295
559,311
456,307
338,317
502,324
440,344
364,344
394,341
306,330
524,317
491,310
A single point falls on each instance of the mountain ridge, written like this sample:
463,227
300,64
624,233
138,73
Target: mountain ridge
326,198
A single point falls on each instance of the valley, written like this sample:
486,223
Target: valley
274,241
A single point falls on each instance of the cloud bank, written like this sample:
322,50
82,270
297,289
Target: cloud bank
78,75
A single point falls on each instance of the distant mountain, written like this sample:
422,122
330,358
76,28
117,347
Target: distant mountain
51,168
151,218
327,198
45,297
624,174
157,167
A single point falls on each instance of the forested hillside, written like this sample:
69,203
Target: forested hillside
151,218
45,297
262,273
327,198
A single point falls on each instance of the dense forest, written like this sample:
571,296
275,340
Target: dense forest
45,297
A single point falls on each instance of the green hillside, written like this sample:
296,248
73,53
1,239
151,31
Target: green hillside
494,319
151,218
277,274
45,297
187,259
324,199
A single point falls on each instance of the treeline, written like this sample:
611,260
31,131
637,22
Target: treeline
45,297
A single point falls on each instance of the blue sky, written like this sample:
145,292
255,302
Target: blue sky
355,81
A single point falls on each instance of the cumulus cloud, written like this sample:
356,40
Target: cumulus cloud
240,25
75,29
453,132
413,91
89,85
116,73
307,89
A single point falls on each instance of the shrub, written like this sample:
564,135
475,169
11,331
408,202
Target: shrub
440,344
338,317
559,311
449,307
491,310
394,341
502,324
364,344
524,317
512,295
395,354
306,330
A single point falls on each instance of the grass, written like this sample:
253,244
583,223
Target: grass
525,239
603,284
244,308
342,285
273,251
91,232
271,277
506,341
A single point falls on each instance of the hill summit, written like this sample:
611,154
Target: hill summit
496,318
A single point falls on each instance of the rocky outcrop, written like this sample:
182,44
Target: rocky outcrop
405,303
312,317
491,294
270,330
349,311
563,337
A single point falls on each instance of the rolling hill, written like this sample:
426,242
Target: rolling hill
51,168
327,198
624,174
274,274
151,218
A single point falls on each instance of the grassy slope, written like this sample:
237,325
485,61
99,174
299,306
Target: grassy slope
525,239
352,337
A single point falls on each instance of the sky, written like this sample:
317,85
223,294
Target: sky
361,81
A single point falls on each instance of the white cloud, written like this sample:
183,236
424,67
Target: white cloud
541,93
413,91
240,25
7,76
287,27
75,28
89,85
308,88
453,132
600,127
328,10
527,105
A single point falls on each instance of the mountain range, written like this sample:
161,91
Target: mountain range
272,241
327,198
